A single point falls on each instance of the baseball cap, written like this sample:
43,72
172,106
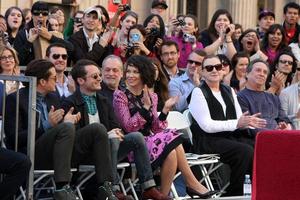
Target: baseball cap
93,9
264,13
159,3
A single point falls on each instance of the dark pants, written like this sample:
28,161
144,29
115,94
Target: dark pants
236,150
60,146
15,166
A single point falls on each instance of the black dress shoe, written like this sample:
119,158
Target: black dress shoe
194,194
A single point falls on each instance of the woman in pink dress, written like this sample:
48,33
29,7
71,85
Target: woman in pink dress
136,110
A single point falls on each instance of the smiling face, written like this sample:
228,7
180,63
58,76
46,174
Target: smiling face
213,76
222,22
189,26
91,21
274,39
59,62
128,22
285,64
154,23
133,77
241,67
112,72
91,82
14,19
7,62
257,77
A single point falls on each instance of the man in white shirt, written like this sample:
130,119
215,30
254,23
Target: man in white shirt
57,54
87,44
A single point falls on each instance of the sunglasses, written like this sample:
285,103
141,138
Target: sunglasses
286,62
63,56
298,69
95,76
194,62
38,12
209,68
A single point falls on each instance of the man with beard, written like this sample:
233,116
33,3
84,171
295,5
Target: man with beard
57,54
169,55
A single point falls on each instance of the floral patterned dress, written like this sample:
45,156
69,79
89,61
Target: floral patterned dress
132,116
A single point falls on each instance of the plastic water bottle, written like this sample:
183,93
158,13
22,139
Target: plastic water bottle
247,185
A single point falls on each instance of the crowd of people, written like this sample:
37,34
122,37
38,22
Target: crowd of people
123,72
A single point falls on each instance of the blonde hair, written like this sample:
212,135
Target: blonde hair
16,69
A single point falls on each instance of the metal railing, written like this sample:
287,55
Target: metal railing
31,122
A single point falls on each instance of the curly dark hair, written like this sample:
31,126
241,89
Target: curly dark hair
145,68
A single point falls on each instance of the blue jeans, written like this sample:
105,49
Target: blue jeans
133,142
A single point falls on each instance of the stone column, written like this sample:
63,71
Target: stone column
243,12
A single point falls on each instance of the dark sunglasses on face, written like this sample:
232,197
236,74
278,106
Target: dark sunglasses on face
210,68
298,69
226,64
286,62
38,12
63,56
95,76
196,62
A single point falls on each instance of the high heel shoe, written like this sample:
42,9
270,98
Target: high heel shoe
195,194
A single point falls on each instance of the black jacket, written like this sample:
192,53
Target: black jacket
105,110
81,49
10,118
25,48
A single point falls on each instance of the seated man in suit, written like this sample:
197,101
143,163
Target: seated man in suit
57,145
96,108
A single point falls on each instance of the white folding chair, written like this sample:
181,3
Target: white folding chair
177,120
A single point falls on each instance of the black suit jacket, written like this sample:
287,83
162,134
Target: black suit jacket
10,118
105,110
81,49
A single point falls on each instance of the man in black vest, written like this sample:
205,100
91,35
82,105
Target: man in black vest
221,126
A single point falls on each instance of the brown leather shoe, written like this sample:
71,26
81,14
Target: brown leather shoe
154,194
122,196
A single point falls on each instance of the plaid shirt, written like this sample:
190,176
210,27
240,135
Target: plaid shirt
91,103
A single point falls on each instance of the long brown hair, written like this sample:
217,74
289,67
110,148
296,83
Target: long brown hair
16,70
161,84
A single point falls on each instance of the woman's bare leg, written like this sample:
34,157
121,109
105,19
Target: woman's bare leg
186,171
168,170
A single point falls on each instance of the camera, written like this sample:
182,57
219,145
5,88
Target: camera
3,37
181,22
135,38
39,24
227,30
126,7
189,38
77,20
154,32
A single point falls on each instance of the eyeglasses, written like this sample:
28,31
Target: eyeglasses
286,62
194,62
38,12
95,76
9,58
209,68
63,56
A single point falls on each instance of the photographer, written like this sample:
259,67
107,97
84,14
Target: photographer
74,24
187,38
32,41
155,28
136,37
